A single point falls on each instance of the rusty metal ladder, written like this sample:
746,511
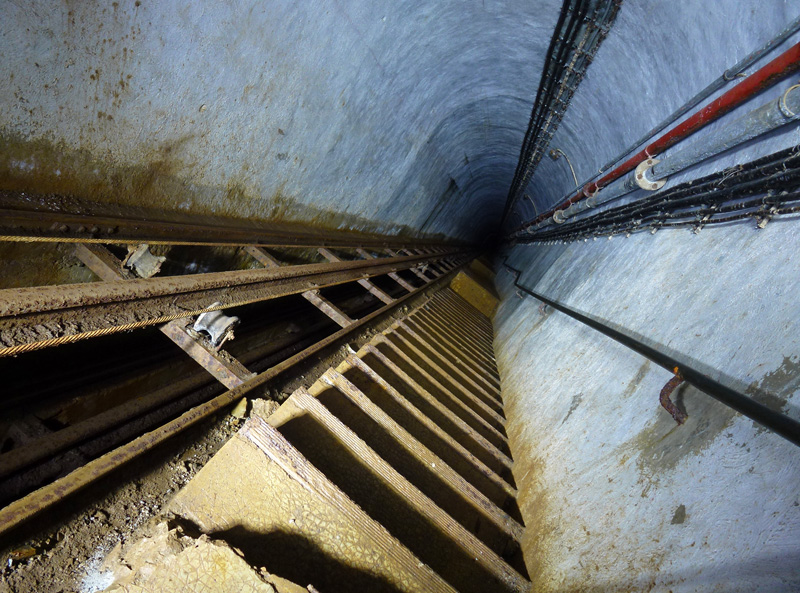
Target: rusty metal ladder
395,463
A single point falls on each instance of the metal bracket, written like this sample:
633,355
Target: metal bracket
141,261
217,325
764,216
784,109
643,181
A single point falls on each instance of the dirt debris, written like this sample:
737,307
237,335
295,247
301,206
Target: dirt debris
69,551
73,543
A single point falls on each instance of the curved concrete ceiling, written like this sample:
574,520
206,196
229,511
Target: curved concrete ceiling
403,116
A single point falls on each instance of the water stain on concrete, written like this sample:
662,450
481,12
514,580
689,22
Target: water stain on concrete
637,379
573,405
162,178
774,388
679,516
539,541
663,443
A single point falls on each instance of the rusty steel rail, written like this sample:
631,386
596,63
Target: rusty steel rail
58,443
38,317
225,369
36,502
34,218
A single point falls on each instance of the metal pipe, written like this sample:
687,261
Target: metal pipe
759,189
778,423
727,76
782,66
779,112
554,154
763,120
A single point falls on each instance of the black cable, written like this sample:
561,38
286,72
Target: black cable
590,21
775,177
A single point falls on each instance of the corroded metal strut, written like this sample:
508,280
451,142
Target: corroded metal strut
38,317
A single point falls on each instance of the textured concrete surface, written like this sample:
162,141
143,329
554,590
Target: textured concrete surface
614,494
349,114
166,562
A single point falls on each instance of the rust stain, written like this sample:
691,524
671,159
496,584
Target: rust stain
773,388
161,179
540,541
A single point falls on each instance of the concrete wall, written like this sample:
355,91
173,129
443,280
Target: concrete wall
615,495
387,116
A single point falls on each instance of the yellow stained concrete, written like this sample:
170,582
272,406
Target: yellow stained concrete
475,285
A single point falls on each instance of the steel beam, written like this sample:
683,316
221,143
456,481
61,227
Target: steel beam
38,317
24,509
393,275
312,296
374,290
419,273
226,369
29,217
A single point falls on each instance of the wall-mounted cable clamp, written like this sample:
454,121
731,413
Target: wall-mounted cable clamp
642,179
